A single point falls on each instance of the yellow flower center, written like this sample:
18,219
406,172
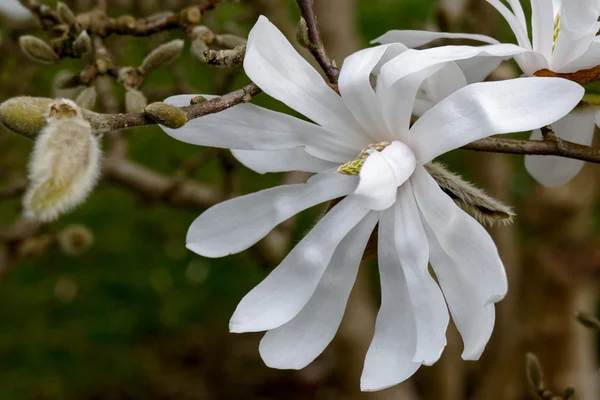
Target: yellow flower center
556,30
353,167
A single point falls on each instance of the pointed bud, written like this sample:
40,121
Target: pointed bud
534,373
65,13
203,33
302,33
65,164
473,200
135,101
167,115
75,240
162,56
38,50
230,41
198,50
24,115
83,44
87,98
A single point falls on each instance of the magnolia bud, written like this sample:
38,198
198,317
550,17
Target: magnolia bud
534,372
87,98
38,50
75,240
302,33
83,44
65,163
230,41
66,80
166,114
162,56
198,49
24,115
135,101
203,33
65,13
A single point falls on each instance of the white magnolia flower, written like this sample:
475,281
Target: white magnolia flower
563,39
301,303
14,9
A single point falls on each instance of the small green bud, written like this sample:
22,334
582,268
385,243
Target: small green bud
25,115
135,101
83,44
65,13
198,100
302,33
162,56
87,98
167,115
535,376
38,50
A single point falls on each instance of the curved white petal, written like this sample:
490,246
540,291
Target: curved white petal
444,82
296,159
578,126
277,68
356,90
429,306
382,173
249,127
568,50
285,292
389,358
465,260
519,30
517,9
477,69
412,39
297,343
589,59
487,108
542,27
236,224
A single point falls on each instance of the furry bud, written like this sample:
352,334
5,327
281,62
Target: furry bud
198,50
75,240
24,115
65,164
230,41
534,373
87,98
38,50
162,56
135,101
167,115
66,14
302,33
83,44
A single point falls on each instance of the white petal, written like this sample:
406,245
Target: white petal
276,67
283,294
444,82
249,127
542,27
568,50
412,39
429,306
465,260
477,69
578,126
297,343
382,173
14,9
517,9
589,59
296,159
389,359
519,30
356,90
236,224
482,109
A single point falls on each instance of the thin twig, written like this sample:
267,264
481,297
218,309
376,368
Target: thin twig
315,43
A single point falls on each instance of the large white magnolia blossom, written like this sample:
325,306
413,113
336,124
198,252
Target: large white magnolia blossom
563,39
301,303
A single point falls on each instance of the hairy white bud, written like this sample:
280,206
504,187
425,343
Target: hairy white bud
135,101
38,50
65,163
83,44
162,56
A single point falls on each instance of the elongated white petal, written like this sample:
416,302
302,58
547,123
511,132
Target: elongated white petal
444,82
567,50
297,343
249,127
578,126
477,69
542,27
517,9
514,23
578,18
296,159
389,359
277,68
357,92
589,59
465,260
429,306
412,39
283,294
236,224
487,108
382,173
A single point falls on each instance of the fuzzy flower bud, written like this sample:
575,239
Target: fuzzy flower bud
167,115
65,13
302,33
75,240
161,56
135,101
38,50
83,44
65,163
24,115
87,98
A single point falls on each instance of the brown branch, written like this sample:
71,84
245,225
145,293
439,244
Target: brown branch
582,77
554,147
315,43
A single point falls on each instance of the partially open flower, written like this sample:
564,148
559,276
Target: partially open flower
65,164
